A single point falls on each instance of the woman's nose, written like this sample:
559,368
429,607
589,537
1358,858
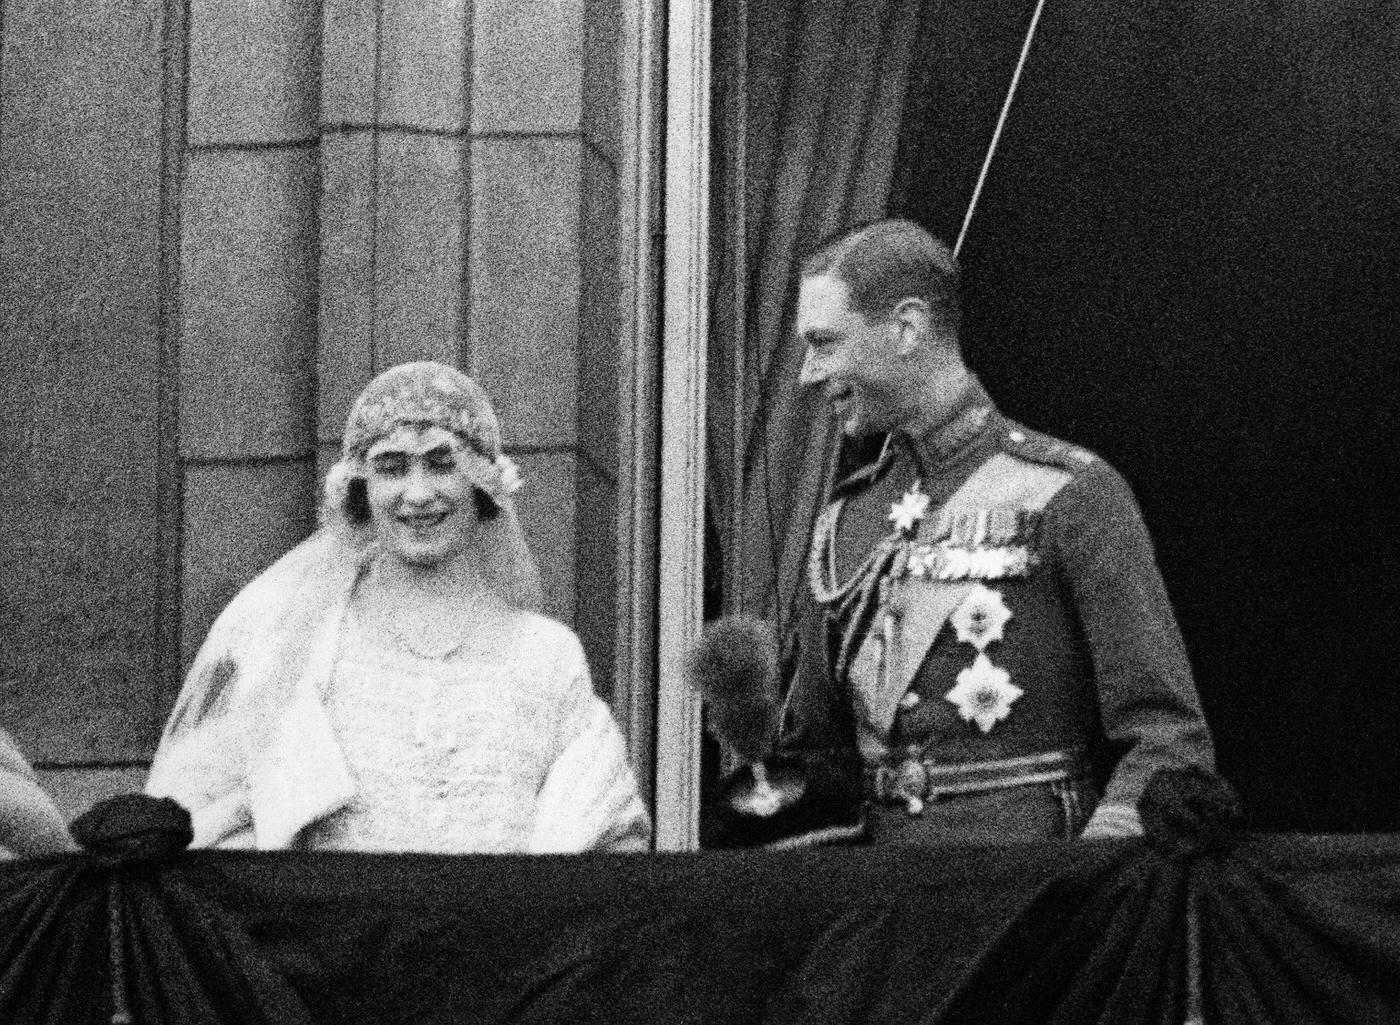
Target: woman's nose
416,489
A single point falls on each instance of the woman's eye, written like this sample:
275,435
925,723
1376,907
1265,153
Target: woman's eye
391,466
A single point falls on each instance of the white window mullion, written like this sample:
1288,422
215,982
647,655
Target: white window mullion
682,470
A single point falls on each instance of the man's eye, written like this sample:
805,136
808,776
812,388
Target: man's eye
441,462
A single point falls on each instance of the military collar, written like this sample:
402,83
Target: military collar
862,459
944,441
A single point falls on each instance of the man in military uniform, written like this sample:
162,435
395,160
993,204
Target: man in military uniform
986,622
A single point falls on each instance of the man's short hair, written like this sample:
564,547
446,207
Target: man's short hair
885,262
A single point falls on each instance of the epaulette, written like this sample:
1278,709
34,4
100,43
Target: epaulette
1035,447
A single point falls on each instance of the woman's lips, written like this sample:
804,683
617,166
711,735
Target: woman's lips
422,521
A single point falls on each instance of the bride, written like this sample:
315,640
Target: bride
389,684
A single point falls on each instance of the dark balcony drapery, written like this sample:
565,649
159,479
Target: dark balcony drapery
1289,929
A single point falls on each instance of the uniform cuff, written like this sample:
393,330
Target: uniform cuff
1113,822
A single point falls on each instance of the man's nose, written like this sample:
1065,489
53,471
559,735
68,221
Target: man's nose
811,373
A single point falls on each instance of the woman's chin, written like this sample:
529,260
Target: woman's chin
426,547
421,555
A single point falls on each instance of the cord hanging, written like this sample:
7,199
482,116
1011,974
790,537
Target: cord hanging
1001,123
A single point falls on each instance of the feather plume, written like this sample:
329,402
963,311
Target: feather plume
734,666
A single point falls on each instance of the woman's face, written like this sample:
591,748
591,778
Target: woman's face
420,499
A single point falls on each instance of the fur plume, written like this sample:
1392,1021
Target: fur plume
734,666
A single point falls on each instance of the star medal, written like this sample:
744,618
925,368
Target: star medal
984,694
981,618
909,510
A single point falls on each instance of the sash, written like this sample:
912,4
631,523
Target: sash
918,607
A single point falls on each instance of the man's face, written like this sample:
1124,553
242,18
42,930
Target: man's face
419,496
854,359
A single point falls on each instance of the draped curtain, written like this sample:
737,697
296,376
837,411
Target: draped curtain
819,88
1291,929
1184,259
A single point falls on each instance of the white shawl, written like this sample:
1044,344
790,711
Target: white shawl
251,752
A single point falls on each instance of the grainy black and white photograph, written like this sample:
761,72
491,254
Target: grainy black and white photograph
764,511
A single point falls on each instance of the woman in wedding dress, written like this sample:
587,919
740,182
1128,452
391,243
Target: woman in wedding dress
390,684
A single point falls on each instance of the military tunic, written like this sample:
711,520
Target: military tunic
1011,620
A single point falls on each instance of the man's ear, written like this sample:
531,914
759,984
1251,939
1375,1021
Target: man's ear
913,325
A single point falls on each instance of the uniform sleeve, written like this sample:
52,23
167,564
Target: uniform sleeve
1150,709
816,713
589,799
818,739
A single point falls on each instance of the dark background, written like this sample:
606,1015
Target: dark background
1186,259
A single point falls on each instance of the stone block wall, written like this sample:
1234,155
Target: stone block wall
391,182
348,186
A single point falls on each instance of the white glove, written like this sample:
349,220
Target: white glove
1113,822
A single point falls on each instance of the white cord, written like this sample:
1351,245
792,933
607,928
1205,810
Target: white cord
1001,123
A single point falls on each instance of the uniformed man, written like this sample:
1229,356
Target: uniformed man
986,623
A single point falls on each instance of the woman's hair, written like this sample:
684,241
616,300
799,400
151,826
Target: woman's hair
354,506
425,395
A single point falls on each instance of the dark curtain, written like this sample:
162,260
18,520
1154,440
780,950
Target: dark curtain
809,106
1187,257
1290,929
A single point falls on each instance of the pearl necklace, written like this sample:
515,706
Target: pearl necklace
440,655
383,617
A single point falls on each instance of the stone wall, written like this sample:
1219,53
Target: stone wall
313,194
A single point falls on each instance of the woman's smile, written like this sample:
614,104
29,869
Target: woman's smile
422,520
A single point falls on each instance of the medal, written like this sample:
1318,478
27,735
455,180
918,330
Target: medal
944,561
984,694
909,510
981,618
